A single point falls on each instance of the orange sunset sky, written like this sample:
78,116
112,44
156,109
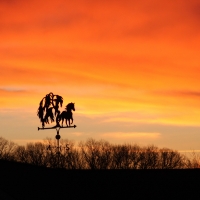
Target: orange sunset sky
131,67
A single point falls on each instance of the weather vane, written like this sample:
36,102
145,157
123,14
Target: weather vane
49,110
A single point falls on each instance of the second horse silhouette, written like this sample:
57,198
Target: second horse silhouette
67,115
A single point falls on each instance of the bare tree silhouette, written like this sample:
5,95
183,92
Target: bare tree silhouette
93,154
7,149
97,154
170,159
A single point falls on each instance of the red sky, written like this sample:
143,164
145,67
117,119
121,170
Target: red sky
125,64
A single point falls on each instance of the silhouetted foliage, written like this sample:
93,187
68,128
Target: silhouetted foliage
170,159
7,149
96,154
49,103
93,154
194,161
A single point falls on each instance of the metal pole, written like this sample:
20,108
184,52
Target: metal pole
58,138
58,147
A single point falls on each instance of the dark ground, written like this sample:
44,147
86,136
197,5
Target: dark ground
21,181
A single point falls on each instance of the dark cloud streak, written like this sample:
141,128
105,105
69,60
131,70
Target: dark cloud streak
185,93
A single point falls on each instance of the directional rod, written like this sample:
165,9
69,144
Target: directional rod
56,127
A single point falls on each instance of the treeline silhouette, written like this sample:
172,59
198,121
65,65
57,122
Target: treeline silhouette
93,154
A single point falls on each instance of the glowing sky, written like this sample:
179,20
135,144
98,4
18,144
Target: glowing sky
131,67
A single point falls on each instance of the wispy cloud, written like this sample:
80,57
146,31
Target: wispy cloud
13,90
122,135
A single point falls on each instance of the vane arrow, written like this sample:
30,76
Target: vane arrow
55,127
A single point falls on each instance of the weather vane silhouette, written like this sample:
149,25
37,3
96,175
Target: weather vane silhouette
49,108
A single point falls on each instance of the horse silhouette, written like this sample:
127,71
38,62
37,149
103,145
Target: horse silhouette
67,115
